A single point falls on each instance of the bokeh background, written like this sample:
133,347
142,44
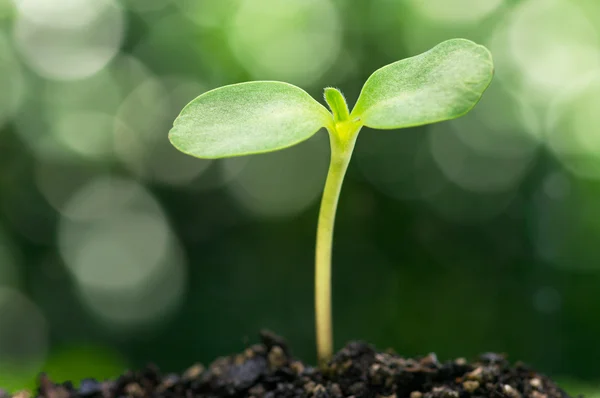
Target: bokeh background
480,234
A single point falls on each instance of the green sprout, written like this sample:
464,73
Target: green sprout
263,116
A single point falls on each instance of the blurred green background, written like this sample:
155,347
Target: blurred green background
480,234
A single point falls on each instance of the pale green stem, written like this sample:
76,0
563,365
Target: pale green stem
342,141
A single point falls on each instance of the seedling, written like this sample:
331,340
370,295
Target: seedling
263,116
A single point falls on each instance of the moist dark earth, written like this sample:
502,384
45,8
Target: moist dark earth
268,370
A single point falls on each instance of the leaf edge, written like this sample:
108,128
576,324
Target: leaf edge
328,122
353,115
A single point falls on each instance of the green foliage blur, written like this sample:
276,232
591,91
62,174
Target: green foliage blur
475,235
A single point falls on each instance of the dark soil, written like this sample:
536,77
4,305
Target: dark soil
268,370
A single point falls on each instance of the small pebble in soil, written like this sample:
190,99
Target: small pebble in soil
268,370
535,382
470,386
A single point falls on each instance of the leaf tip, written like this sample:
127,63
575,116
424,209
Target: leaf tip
337,103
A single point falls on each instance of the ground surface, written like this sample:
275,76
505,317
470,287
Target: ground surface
268,370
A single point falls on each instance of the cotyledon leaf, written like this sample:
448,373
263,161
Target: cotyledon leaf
247,118
441,84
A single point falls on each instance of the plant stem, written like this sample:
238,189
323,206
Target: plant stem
342,141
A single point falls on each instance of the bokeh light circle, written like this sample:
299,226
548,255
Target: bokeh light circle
49,123
149,303
86,133
208,13
281,183
123,256
471,168
64,13
12,81
572,128
456,10
128,247
294,41
71,52
143,121
552,43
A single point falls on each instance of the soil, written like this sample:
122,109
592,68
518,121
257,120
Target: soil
268,370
